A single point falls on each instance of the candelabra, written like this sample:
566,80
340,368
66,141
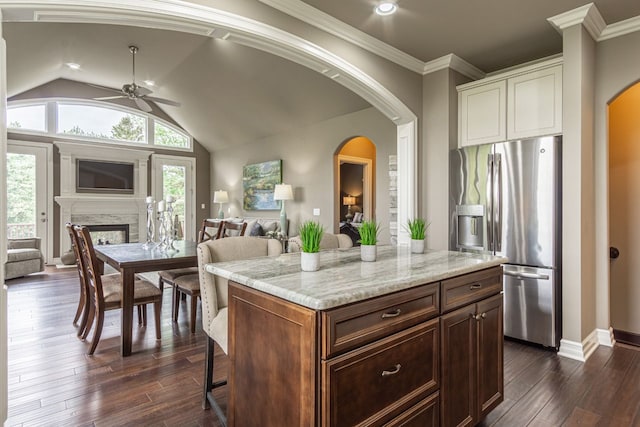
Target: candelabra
171,233
151,226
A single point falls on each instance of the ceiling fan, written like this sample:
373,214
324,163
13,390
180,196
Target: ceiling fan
134,91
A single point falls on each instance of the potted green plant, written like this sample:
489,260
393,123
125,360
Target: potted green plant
418,230
368,239
310,234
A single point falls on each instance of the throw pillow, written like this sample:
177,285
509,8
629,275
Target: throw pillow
256,230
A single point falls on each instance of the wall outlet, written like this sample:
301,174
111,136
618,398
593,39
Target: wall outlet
316,211
202,206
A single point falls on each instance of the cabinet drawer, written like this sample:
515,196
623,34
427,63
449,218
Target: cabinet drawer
376,383
470,288
349,327
424,414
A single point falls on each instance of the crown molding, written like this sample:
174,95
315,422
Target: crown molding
621,28
589,16
328,23
98,17
455,63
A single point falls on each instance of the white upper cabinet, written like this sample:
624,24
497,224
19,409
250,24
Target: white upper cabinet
534,104
482,114
521,103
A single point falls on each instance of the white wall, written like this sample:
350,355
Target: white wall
307,161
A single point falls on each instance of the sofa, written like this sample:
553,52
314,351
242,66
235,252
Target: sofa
23,257
257,227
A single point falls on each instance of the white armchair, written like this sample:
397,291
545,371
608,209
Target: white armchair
23,257
214,295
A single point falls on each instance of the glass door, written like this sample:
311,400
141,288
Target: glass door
175,176
28,192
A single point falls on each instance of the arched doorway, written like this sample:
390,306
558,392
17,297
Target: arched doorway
624,210
354,180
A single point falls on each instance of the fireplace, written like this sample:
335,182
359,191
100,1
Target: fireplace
106,234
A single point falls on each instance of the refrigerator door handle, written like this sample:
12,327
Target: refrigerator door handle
497,191
490,202
522,275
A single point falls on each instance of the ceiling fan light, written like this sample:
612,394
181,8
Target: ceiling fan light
149,82
73,65
386,8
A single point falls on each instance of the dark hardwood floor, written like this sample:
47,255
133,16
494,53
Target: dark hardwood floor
52,382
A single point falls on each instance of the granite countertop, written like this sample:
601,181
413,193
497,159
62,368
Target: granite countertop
343,278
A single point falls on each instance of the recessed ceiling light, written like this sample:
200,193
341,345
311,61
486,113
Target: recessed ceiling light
73,65
149,82
386,8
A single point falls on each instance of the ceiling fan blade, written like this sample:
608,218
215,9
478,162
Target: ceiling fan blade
110,89
142,105
142,91
162,101
104,98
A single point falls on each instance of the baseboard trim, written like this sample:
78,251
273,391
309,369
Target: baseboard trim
606,337
579,351
626,337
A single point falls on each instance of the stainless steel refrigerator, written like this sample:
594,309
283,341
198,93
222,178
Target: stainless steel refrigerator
505,199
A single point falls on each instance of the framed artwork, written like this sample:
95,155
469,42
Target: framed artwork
258,182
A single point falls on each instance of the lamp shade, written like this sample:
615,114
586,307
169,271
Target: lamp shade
348,200
283,192
220,196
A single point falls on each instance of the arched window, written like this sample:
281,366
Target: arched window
95,121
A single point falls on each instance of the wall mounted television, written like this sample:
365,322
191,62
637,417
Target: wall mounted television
98,176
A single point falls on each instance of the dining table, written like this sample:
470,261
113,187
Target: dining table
132,258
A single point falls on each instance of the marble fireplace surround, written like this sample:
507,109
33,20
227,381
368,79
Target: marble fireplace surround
98,208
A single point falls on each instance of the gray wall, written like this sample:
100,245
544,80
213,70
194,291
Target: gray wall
617,67
308,160
71,89
439,136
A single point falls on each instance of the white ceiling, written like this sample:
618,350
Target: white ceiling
232,94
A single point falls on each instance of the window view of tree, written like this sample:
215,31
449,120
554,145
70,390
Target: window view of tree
129,128
169,137
95,120
21,195
173,181
101,122
29,117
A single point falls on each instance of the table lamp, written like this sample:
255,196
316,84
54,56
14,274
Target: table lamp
348,201
283,192
221,197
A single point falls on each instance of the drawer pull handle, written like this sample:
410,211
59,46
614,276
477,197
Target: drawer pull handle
475,286
392,372
395,313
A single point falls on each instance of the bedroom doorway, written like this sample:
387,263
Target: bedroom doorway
354,181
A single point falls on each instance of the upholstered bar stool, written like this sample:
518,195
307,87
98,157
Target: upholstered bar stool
214,294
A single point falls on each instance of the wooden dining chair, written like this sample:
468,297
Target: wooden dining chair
210,229
105,292
82,312
233,229
189,284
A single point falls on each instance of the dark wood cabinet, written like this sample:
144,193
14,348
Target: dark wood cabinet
472,362
272,350
425,356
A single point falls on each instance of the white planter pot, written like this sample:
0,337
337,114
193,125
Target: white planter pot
368,252
417,246
310,261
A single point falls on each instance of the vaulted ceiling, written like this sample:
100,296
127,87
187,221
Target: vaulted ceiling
233,94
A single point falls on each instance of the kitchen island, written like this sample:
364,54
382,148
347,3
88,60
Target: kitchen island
411,339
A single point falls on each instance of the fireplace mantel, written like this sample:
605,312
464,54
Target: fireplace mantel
98,208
